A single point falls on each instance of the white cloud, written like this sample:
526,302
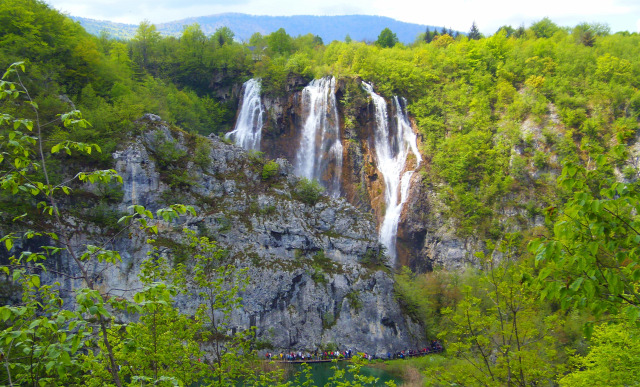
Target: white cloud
491,14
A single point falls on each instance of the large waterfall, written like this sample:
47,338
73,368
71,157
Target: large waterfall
248,129
392,150
319,155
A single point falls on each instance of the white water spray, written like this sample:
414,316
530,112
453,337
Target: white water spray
248,130
391,153
319,155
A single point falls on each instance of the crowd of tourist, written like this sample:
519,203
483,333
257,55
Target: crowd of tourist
319,355
435,347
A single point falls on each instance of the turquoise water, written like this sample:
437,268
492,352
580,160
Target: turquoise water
321,372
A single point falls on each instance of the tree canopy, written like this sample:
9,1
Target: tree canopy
387,39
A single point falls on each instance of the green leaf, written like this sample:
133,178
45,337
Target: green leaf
138,297
632,312
544,273
5,313
576,284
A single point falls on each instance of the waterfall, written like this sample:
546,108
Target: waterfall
391,153
248,130
319,155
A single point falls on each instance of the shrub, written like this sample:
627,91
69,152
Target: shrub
354,300
309,191
540,159
629,172
269,170
317,275
201,156
256,157
374,258
328,320
167,150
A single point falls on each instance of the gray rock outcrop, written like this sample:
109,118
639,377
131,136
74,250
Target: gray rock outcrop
315,274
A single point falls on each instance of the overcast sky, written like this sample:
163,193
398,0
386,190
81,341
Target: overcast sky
620,15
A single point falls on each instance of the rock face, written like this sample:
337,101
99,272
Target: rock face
314,277
426,239
362,183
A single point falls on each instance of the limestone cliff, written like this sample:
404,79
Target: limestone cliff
362,183
315,278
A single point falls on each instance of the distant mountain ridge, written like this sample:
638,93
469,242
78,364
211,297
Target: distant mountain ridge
329,28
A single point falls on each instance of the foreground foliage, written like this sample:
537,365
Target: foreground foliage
96,339
499,118
45,342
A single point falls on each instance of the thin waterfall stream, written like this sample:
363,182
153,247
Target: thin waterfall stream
248,130
392,150
319,154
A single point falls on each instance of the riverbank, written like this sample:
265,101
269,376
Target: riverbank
413,372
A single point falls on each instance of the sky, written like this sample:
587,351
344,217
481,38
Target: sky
489,15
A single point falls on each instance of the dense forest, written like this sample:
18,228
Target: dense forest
543,119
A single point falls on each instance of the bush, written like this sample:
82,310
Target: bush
374,258
540,159
269,170
354,300
309,191
629,172
167,150
256,157
328,320
201,154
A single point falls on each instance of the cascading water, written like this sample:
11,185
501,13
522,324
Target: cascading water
248,130
391,153
319,155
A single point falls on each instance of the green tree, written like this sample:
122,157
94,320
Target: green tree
43,342
498,328
160,348
613,359
217,283
24,171
144,44
193,58
427,36
387,39
474,33
583,34
544,28
59,49
223,36
507,29
591,259
280,43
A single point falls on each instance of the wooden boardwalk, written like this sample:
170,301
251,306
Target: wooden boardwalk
311,361
308,361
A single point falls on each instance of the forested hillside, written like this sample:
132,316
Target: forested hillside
518,244
329,28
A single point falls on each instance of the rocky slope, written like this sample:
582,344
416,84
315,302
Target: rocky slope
316,275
